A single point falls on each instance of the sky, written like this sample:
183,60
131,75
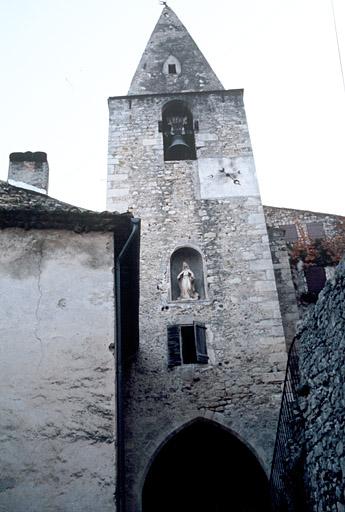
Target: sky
62,59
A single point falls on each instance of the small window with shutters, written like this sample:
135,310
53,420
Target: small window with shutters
187,344
315,230
290,232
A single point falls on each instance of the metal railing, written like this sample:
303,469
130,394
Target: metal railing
287,482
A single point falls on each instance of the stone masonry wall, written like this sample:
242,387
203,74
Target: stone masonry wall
170,38
278,217
30,169
322,363
290,279
240,387
56,371
284,281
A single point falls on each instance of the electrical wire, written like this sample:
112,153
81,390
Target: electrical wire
337,38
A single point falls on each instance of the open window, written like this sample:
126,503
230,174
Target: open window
172,66
315,277
187,344
178,132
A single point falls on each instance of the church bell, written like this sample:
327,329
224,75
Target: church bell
178,148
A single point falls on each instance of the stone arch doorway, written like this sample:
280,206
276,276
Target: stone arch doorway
205,468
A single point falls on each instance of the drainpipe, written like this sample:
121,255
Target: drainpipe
120,361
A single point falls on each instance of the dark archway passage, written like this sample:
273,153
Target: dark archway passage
205,468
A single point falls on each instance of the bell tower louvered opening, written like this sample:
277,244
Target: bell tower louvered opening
178,132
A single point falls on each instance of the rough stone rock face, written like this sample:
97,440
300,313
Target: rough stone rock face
56,371
322,363
197,204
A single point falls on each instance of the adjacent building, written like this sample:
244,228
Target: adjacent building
57,332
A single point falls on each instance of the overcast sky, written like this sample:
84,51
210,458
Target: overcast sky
62,59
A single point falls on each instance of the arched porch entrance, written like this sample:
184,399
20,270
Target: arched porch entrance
205,468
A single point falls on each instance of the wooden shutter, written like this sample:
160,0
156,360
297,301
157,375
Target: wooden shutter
316,278
174,350
200,342
315,230
290,234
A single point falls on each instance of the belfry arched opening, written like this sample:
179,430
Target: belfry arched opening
178,132
205,468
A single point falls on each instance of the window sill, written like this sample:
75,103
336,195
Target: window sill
182,302
188,369
177,161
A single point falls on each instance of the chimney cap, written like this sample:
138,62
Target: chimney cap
29,156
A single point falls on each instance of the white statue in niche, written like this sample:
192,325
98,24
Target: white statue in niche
186,281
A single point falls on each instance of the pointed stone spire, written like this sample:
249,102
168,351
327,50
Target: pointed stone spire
172,62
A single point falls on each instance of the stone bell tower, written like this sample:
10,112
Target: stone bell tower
203,392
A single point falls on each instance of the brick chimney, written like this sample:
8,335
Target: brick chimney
29,170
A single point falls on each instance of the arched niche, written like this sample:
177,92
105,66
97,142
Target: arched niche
193,259
172,66
178,131
204,467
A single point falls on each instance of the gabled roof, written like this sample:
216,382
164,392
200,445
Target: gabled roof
32,210
12,197
170,42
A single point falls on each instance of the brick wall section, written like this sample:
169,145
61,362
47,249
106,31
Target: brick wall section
241,386
322,363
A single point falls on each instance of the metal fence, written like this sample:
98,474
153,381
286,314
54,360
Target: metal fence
286,482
